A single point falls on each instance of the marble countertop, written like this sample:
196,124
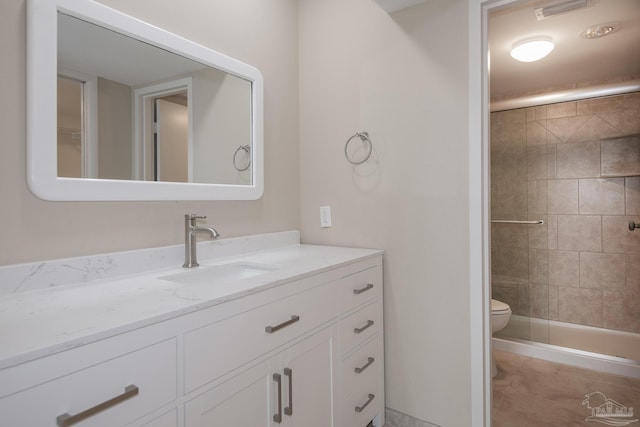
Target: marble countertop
41,322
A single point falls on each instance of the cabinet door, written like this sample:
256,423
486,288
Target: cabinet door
242,401
170,419
308,382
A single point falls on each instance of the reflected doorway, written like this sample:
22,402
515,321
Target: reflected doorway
70,127
171,138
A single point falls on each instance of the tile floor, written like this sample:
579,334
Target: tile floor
529,392
398,419
537,393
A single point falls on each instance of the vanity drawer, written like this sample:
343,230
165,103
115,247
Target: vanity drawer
368,404
361,398
144,380
360,326
360,288
220,347
361,370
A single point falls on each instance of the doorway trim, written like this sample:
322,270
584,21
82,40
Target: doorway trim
479,208
479,291
143,99
89,123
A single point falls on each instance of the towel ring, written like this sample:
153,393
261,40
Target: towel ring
247,150
364,137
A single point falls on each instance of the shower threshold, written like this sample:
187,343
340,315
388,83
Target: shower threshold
592,339
569,356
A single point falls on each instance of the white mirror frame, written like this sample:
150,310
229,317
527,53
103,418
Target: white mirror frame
42,109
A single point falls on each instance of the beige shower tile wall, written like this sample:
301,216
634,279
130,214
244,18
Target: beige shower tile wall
549,162
632,195
602,196
621,156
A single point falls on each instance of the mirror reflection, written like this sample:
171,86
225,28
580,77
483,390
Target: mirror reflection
128,110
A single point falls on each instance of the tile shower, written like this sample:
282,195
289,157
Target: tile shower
576,166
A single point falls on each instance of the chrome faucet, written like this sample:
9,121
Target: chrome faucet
190,232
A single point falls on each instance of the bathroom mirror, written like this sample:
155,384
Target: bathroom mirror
118,109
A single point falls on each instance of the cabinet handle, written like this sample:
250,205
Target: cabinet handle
66,419
359,330
370,360
361,290
278,417
361,408
271,329
289,409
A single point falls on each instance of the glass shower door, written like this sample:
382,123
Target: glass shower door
519,234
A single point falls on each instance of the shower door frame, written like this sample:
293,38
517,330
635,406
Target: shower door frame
479,253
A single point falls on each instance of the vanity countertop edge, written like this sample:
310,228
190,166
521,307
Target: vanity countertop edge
40,323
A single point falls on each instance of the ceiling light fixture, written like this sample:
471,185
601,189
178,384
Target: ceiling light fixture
532,49
597,31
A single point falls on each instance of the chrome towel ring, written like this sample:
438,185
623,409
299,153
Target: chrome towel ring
247,155
366,144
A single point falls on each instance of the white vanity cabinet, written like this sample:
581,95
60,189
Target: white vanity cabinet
322,364
241,338
290,385
362,349
292,388
305,352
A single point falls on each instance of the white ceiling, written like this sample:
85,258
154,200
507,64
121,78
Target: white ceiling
574,59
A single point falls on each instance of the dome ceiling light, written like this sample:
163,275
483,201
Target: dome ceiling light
532,49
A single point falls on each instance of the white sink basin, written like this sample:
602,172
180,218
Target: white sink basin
213,275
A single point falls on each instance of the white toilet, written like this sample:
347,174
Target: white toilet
500,315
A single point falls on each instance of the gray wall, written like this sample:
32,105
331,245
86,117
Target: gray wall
388,75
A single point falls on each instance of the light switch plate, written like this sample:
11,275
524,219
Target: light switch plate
325,216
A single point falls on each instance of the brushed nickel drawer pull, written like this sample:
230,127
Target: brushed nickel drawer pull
66,419
289,409
361,408
361,290
359,330
271,329
278,417
370,360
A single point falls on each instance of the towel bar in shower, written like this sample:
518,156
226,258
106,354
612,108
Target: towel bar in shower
513,221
